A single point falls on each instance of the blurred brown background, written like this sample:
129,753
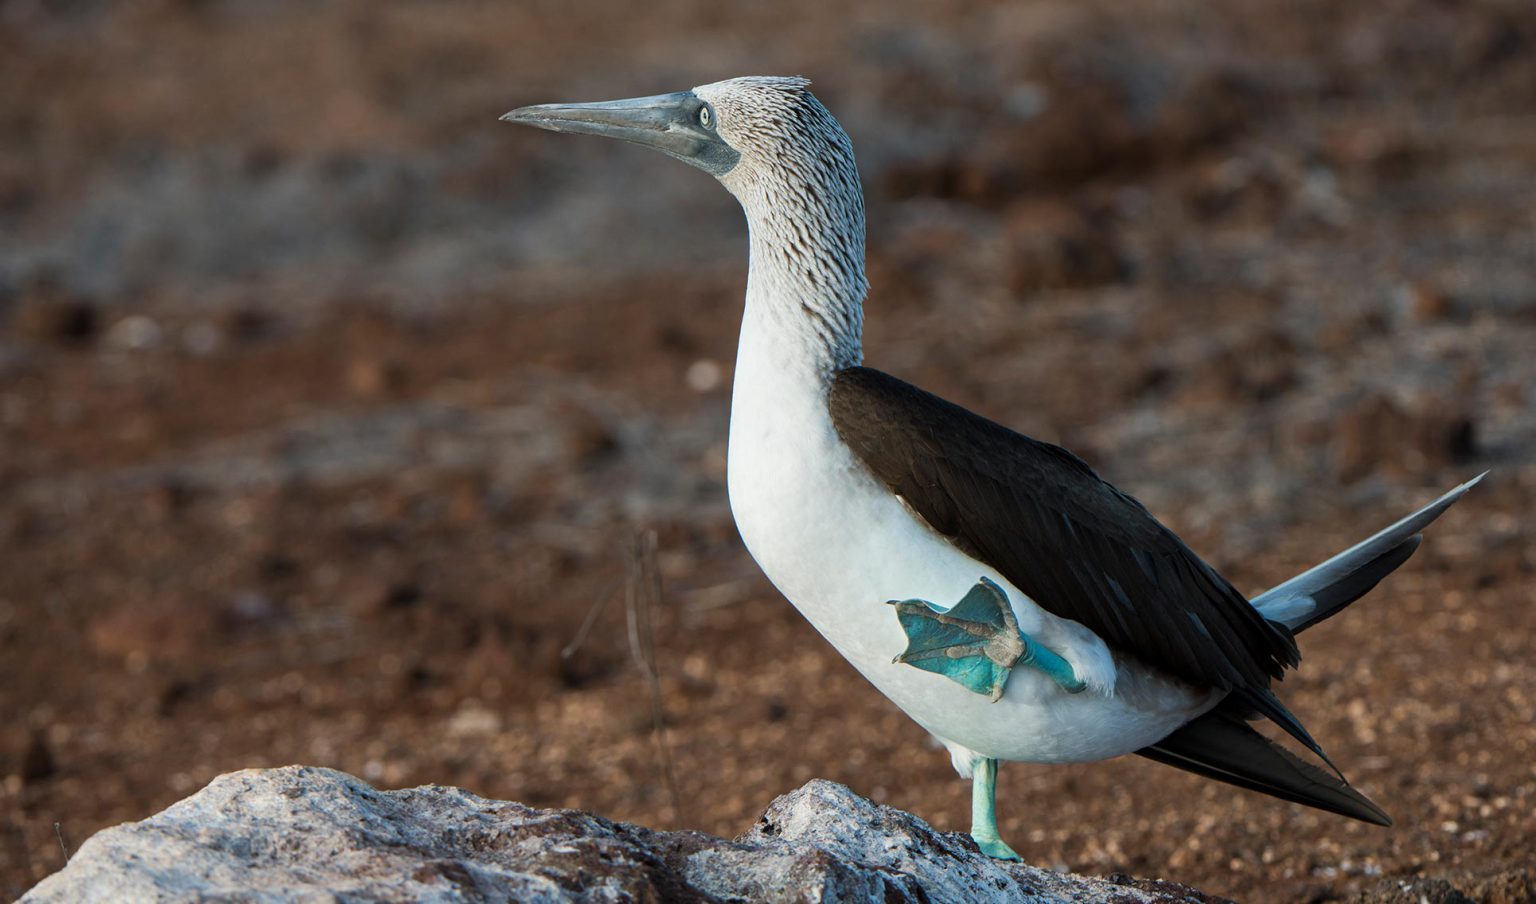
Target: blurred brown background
330,406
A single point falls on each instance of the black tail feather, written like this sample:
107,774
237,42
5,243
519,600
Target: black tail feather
1222,746
1248,703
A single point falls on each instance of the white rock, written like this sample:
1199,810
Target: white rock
306,834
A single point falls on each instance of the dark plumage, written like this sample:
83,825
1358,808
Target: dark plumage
1076,545
1079,547
1220,745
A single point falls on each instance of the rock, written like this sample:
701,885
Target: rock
1378,433
1054,246
307,833
48,314
1246,370
1424,303
164,629
37,761
373,596
375,377
135,332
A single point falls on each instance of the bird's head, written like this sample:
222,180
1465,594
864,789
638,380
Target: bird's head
746,132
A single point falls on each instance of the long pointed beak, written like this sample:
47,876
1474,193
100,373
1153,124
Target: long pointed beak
670,123
637,119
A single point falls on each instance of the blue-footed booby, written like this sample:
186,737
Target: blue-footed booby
1002,594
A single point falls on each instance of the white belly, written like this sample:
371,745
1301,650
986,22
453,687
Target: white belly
839,545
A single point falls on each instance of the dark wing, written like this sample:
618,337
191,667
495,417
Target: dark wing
1079,548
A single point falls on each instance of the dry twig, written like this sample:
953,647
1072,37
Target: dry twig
59,834
642,594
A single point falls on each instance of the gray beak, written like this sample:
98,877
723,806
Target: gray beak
679,125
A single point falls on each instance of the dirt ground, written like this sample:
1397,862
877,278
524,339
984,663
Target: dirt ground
331,408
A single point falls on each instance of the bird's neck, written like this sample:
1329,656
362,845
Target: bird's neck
806,286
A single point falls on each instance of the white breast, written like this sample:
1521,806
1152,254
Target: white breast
839,545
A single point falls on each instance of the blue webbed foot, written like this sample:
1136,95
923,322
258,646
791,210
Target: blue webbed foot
994,847
976,643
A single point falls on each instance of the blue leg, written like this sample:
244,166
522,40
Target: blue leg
1045,659
983,811
977,642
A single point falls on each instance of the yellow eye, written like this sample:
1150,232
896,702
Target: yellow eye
706,117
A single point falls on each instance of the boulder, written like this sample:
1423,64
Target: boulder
310,834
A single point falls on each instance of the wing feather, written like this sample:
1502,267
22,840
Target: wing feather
1079,547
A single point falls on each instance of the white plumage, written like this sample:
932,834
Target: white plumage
839,545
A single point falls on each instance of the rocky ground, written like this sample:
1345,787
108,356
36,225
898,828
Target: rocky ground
331,408
288,833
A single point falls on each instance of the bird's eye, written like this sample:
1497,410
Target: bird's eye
706,117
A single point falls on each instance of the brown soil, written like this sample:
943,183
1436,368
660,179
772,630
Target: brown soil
330,407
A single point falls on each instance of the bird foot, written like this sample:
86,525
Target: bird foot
976,643
993,846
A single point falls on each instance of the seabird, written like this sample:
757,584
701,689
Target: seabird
1007,598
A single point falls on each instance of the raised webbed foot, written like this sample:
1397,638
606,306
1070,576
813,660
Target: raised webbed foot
994,847
977,643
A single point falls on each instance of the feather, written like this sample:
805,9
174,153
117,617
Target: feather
1077,546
